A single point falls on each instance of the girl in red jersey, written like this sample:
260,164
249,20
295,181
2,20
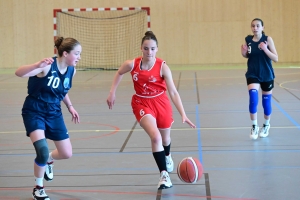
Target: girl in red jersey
150,104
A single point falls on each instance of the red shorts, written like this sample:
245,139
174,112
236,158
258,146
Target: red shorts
159,107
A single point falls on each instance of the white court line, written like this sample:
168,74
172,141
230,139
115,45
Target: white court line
175,129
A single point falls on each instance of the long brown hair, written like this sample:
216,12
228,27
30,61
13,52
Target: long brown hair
65,44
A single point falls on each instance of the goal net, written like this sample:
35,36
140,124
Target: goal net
108,36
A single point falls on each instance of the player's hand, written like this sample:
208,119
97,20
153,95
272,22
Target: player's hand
111,100
244,49
45,62
186,120
263,45
75,115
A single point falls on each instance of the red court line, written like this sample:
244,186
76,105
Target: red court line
9,198
69,199
16,144
132,193
99,136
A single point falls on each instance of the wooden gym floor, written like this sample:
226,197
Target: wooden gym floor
112,156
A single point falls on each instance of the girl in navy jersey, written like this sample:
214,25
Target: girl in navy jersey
49,82
150,104
260,51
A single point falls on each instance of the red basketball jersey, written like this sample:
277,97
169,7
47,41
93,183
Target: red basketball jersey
148,83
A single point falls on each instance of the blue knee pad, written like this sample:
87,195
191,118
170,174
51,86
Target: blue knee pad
253,101
42,152
266,103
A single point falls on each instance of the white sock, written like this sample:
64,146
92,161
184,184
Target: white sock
254,122
39,181
267,122
50,159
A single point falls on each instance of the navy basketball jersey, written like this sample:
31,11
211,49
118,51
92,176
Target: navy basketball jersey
53,87
259,64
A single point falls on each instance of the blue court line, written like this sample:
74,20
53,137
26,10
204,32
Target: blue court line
198,124
199,135
287,115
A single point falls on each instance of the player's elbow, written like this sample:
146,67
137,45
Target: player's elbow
17,73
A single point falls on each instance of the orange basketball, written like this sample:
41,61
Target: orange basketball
189,170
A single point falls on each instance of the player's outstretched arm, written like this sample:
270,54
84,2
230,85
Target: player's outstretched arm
34,69
174,95
125,67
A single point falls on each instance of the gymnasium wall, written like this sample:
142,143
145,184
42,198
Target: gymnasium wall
189,32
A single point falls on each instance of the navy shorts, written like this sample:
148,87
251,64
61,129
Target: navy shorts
44,116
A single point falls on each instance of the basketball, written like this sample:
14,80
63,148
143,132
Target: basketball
189,170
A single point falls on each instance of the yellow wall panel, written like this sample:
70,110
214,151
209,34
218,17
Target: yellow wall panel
189,32
7,38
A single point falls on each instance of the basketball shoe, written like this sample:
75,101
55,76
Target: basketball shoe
264,131
254,132
164,181
48,176
170,163
39,193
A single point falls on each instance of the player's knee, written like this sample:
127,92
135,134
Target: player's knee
42,152
156,139
166,138
66,154
166,141
266,103
253,100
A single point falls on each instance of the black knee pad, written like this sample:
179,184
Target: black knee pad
42,152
